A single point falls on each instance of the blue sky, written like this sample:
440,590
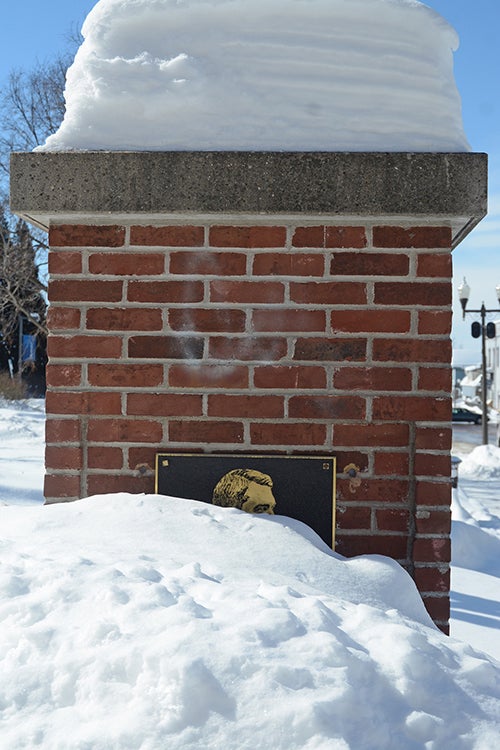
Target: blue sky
477,73
34,30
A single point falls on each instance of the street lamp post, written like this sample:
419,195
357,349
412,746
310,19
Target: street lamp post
483,330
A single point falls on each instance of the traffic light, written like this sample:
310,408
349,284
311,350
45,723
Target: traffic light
490,330
475,330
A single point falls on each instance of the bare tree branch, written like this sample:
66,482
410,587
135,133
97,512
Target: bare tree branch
31,109
33,104
21,290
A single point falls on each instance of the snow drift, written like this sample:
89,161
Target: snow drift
482,463
149,622
334,75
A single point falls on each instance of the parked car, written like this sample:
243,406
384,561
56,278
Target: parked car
461,414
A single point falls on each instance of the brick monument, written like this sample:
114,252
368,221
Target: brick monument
259,302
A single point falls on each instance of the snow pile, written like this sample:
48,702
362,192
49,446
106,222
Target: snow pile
475,550
22,429
482,463
474,547
476,519
149,622
333,75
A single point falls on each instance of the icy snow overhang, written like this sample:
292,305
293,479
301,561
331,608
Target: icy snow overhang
74,187
265,75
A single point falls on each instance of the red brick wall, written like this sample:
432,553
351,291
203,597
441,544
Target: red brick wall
282,338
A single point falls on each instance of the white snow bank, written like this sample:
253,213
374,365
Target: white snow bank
475,556
475,548
481,463
334,75
476,514
149,622
22,430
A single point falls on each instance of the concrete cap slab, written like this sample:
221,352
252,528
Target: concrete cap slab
62,187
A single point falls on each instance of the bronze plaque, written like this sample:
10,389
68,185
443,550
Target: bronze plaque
301,487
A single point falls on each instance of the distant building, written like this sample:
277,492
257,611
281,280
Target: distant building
493,365
458,376
471,384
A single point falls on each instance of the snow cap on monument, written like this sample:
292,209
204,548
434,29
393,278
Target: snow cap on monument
296,75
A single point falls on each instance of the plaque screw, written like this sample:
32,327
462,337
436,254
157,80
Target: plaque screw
354,481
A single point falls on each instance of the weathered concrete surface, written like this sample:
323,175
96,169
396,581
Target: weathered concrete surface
69,186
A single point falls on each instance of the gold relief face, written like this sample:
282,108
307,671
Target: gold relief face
247,489
259,499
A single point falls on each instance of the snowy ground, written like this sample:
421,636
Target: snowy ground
476,550
22,432
120,630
